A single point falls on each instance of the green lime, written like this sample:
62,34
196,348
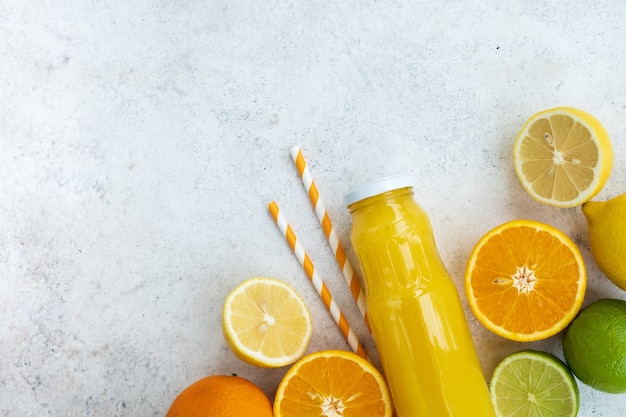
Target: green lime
531,383
594,345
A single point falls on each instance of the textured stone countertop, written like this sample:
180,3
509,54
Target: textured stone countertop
141,141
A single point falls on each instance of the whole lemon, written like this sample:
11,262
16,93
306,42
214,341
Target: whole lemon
594,345
606,222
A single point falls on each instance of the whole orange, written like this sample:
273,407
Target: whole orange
221,396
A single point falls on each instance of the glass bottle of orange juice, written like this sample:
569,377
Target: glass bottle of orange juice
416,316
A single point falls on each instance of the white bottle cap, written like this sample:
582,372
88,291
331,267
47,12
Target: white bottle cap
378,186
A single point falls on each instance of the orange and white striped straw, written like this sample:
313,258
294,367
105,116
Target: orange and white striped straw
320,286
322,215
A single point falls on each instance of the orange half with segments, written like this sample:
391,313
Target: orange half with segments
332,383
525,280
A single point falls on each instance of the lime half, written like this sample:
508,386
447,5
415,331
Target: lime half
531,383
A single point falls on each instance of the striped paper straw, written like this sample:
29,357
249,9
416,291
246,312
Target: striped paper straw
322,215
315,279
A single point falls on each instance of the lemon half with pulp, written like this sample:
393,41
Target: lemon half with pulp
563,156
266,323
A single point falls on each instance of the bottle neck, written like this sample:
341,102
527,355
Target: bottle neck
387,197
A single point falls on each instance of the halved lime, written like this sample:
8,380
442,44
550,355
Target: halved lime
532,383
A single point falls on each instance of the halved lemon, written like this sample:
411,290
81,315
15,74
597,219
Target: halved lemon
563,156
525,280
332,383
266,323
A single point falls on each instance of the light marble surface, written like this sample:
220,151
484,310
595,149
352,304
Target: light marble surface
141,141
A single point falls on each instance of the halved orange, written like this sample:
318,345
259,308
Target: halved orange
525,280
332,383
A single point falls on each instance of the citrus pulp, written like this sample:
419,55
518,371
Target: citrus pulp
531,383
332,383
525,280
563,156
266,323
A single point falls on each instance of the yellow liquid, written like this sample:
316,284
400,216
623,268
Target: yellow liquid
415,312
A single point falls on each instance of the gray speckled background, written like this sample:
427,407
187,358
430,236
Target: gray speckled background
140,143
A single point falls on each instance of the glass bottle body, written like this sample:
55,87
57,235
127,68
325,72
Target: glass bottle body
417,319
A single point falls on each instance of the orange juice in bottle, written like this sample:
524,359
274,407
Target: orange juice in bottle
417,319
